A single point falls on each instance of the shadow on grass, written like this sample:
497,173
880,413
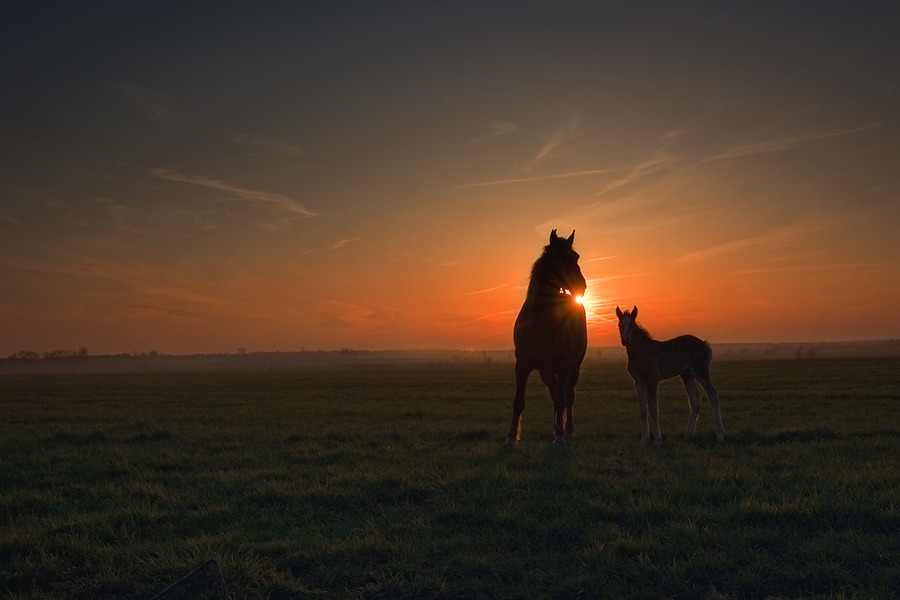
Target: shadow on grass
748,437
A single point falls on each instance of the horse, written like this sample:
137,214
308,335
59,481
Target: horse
550,333
651,361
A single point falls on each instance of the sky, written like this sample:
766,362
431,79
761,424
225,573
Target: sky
199,177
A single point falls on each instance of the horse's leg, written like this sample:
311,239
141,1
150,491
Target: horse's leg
714,401
690,386
654,410
556,394
642,394
570,402
515,428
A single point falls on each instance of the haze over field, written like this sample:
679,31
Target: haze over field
201,177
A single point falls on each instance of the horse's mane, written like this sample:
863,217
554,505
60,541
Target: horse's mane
640,328
537,277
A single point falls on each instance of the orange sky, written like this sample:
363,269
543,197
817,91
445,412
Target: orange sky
374,178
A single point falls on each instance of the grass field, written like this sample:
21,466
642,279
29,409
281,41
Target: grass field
391,482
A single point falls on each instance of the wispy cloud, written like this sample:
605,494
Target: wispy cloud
488,290
782,144
554,144
155,103
268,145
792,234
535,178
342,243
496,129
357,316
659,159
831,267
10,221
146,281
257,198
124,218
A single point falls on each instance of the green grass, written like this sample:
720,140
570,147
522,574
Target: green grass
391,482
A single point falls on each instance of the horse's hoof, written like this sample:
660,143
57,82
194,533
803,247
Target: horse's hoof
510,441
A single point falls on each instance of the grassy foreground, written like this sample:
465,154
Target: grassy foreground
391,482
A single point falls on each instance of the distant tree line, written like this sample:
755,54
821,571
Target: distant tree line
80,353
30,355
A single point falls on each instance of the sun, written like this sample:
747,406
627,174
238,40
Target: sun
591,303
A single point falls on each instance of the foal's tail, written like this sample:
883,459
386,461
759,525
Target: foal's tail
703,358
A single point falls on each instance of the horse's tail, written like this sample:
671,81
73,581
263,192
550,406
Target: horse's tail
708,351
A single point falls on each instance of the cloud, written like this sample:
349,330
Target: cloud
553,145
256,198
496,129
268,145
786,143
661,157
124,218
341,243
535,178
117,279
10,220
792,234
487,290
356,316
830,268
156,104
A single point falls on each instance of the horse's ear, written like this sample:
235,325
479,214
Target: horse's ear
553,236
634,313
618,312
571,239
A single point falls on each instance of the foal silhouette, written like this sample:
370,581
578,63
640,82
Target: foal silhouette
550,333
651,361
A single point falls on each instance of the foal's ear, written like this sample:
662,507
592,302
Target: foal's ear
634,313
618,312
571,239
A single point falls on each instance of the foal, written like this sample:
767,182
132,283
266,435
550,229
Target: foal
651,361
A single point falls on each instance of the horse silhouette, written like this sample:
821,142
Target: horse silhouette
650,361
550,333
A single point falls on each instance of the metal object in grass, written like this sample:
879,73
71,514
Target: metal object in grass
218,581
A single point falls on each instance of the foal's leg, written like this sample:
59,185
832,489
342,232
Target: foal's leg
642,394
714,401
515,428
654,411
690,386
553,383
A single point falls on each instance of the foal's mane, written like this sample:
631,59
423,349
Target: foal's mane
640,328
